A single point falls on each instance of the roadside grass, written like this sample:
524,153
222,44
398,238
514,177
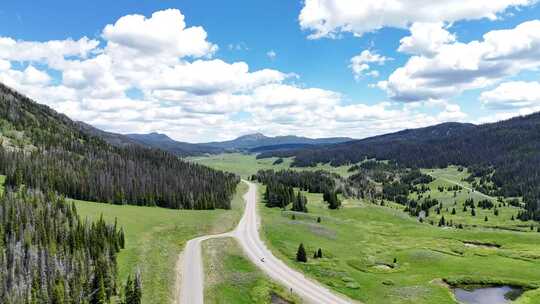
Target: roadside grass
451,176
246,165
155,237
230,278
360,242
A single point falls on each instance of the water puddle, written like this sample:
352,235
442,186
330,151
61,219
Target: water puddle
487,295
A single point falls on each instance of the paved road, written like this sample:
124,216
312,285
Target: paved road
247,234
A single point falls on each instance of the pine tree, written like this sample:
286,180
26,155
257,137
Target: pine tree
486,219
301,254
473,213
318,219
137,289
319,253
442,222
453,211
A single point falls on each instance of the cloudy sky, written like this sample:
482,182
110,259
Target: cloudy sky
202,70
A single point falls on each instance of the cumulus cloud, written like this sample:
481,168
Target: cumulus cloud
328,18
426,39
182,91
164,33
49,51
360,64
512,95
455,67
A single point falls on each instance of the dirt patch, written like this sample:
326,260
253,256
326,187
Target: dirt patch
477,244
383,267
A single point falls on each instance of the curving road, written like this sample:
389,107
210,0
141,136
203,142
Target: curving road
247,234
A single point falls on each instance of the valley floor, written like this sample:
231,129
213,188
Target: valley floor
156,236
360,242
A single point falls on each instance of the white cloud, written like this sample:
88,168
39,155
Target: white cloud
327,18
185,93
456,67
426,39
360,64
35,76
165,33
512,95
49,51
205,77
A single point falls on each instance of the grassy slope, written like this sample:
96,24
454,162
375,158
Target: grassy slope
155,236
360,236
247,164
232,278
450,176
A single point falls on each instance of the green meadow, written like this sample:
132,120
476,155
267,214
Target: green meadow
246,165
156,236
450,176
361,241
231,278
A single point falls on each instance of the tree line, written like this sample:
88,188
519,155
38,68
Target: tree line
280,188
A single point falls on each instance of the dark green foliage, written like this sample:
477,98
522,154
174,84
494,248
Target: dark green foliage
314,182
278,161
442,222
319,253
67,160
299,203
278,195
49,255
318,219
301,254
133,290
453,211
485,204
332,199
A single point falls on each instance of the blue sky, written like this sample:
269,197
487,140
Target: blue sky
308,87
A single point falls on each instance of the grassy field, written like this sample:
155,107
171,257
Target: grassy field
231,278
361,241
155,237
247,164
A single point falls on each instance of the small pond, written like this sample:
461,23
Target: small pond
487,295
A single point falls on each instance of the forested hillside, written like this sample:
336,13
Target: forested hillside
43,149
504,155
49,255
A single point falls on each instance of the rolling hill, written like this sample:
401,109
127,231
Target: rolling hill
43,149
504,156
256,140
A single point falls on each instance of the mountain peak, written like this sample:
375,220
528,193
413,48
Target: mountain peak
254,136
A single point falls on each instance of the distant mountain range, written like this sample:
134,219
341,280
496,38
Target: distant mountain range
248,143
258,140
